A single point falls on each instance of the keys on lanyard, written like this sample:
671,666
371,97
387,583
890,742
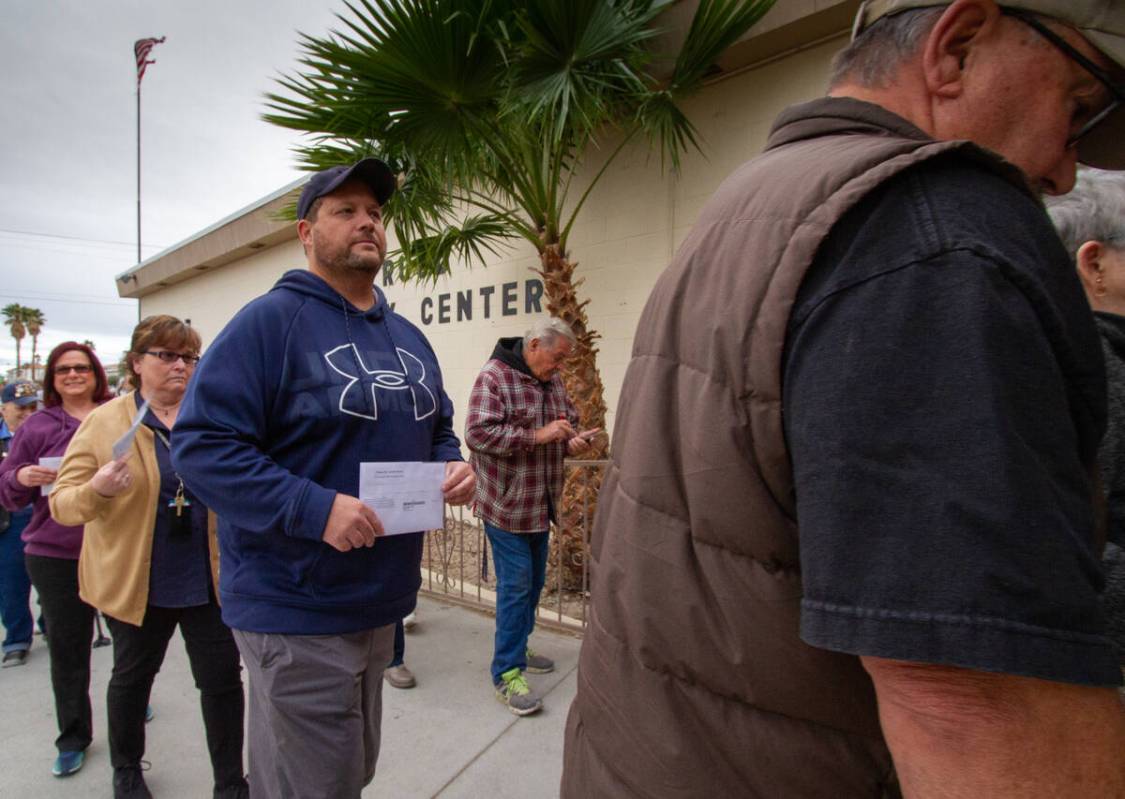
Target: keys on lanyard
180,524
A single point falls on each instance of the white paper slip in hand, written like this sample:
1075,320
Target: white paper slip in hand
49,462
121,445
406,496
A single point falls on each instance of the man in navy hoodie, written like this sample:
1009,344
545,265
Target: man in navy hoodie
304,384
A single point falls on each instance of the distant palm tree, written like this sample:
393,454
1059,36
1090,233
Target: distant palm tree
13,317
34,320
89,343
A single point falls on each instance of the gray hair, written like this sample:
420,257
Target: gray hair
549,330
874,56
1093,211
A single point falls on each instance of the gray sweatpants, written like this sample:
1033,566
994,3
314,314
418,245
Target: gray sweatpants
315,708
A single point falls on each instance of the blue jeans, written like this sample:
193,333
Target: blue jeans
520,561
15,585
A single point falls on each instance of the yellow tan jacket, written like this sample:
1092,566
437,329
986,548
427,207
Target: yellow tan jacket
113,567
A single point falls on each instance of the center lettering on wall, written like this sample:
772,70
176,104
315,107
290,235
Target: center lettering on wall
482,302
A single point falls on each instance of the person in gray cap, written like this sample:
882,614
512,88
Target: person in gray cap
859,557
300,388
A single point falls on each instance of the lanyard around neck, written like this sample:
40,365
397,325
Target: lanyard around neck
179,501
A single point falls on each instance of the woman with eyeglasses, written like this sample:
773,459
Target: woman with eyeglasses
150,557
74,385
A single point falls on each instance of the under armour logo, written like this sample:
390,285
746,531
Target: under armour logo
412,378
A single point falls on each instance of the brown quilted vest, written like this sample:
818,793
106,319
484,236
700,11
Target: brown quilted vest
693,681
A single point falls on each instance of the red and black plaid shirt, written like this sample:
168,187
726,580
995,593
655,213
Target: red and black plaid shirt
515,476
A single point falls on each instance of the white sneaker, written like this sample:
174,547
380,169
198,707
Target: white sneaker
409,622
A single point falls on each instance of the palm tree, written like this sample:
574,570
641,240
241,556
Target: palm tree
89,343
14,318
488,109
34,320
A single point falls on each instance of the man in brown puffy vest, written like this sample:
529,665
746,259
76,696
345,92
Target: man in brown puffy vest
848,544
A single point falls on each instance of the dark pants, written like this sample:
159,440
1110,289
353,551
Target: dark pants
316,708
400,644
138,653
70,623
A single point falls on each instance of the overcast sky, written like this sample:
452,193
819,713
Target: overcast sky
68,142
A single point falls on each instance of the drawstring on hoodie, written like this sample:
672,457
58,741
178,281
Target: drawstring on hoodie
354,348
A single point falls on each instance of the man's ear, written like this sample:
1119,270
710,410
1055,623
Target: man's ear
304,231
1089,260
950,43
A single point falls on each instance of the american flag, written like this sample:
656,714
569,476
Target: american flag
141,49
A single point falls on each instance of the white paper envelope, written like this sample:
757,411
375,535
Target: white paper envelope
52,462
405,495
121,446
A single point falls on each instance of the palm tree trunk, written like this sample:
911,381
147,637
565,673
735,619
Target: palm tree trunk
34,347
584,387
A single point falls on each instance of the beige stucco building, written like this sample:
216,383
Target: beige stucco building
627,234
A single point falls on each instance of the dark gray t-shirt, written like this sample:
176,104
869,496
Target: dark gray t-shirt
943,400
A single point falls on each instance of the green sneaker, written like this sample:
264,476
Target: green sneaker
514,691
537,664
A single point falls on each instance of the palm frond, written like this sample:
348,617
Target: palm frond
429,253
577,61
489,106
716,25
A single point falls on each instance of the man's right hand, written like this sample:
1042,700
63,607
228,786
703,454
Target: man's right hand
558,430
351,524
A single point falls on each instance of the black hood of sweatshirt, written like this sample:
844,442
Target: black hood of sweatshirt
510,351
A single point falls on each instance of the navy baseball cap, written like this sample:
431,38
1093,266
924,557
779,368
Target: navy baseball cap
21,392
376,174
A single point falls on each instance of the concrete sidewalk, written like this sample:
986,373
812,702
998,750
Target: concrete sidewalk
448,737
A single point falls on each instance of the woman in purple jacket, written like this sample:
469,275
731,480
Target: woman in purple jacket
74,385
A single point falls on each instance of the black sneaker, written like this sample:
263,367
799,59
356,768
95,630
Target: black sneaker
129,783
17,657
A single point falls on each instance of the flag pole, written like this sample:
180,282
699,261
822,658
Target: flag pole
141,49
138,171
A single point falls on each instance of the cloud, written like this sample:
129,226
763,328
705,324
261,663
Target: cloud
69,136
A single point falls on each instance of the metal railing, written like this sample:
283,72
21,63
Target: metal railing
456,562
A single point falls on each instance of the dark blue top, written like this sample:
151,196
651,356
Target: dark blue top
14,520
295,392
944,399
180,576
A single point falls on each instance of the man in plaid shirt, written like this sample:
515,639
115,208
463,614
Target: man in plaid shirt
520,426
